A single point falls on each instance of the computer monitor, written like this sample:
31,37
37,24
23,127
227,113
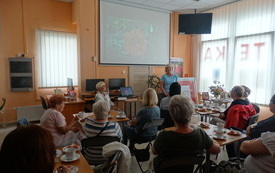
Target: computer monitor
126,91
116,83
91,84
70,84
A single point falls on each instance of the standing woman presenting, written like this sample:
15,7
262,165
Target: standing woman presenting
167,79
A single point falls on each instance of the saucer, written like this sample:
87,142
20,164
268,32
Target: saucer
65,159
222,138
118,116
204,125
74,169
234,132
58,153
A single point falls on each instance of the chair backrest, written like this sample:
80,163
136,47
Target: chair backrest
112,163
256,107
253,119
168,122
92,148
182,162
152,123
44,103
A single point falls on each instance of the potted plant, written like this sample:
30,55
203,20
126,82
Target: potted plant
216,89
153,82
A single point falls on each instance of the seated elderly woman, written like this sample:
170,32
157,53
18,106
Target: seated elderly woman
237,114
255,130
92,126
262,153
240,110
28,149
246,94
149,112
102,94
175,89
54,121
184,140
100,126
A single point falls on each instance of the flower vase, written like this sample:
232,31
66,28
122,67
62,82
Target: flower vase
216,97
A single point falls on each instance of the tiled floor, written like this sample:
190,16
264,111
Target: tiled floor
134,166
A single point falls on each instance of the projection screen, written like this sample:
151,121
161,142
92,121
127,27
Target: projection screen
133,36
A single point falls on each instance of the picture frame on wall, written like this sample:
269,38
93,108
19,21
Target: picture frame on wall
189,88
177,64
205,96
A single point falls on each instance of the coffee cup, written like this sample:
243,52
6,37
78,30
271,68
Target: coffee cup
219,133
70,153
220,126
121,114
81,114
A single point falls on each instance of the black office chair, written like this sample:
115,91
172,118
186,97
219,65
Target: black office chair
44,103
112,164
179,164
143,155
92,148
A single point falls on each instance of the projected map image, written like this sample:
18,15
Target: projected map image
130,35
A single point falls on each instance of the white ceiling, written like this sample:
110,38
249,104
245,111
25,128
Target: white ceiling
181,6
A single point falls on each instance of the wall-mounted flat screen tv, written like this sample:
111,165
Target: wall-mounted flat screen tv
195,23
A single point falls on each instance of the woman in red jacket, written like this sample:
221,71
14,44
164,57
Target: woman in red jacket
240,109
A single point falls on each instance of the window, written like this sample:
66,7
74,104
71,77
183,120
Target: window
240,49
56,58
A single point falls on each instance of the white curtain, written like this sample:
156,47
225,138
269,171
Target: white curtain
240,48
56,58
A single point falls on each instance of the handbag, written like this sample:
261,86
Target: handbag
233,165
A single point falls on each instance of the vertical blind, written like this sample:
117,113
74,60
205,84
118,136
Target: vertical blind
240,49
56,58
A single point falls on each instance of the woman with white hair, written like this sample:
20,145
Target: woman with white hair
240,109
92,126
149,112
102,94
184,140
167,79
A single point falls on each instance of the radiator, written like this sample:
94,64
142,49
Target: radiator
32,113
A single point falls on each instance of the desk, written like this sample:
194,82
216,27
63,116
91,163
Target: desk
130,101
81,163
71,107
113,113
228,140
112,117
208,113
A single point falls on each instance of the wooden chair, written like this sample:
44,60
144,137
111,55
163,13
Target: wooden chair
92,148
185,163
